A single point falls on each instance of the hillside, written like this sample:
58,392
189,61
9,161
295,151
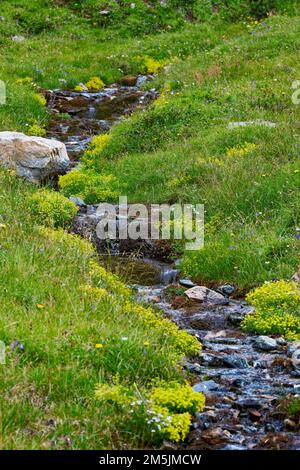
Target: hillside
85,359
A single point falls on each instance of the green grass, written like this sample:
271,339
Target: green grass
180,149
174,151
43,307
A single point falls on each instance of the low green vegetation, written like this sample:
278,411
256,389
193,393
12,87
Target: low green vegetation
70,326
277,309
293,408
78,345
182,149
51,209
164,412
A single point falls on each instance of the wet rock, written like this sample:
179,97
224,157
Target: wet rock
78,201
33,158
226,290
206,386
254,415
289,424
186,283
166,445
238,383
236,318
265,343
235,362
223,340
202,423
128,80
205,295
216,436
281,342
195,368
211,360
248,403
292,348
269,427
200,322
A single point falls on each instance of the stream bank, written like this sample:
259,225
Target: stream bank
244,384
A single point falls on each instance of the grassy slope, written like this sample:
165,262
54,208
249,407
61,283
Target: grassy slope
178,151
43,306
47,387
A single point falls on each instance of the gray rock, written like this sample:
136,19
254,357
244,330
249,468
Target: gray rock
235,362
78,201
236,318
141,80
292,348
281,342
226,289
205,295
18,38
265,343
206,386
195,368
257,122
208,321
245,403
186,283
210,360
200,322
33,158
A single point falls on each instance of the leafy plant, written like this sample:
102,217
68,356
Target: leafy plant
51,208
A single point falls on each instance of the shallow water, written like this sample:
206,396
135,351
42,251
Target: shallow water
243,386
78,116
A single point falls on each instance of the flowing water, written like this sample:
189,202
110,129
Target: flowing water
243,386
78,116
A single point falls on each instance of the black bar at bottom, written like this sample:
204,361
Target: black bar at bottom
143,459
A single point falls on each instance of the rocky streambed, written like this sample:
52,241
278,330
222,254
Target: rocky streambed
244,378
77,116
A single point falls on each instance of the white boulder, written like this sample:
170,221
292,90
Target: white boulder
33,158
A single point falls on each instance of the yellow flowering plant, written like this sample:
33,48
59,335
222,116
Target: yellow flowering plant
165,411
241,150
94,84
277,309
36,130
52,208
